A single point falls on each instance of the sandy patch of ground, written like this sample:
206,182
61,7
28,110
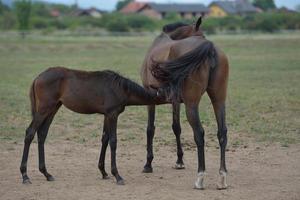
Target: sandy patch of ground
256,172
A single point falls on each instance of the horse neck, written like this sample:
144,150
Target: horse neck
141,98
136,94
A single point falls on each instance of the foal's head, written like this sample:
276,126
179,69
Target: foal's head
179,30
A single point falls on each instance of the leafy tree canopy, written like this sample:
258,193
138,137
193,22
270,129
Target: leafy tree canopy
122,4
264,4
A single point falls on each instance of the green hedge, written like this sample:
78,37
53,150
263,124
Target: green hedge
117,22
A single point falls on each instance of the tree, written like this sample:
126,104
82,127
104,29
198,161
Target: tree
23,9
298,7
264,4
3,8
122,4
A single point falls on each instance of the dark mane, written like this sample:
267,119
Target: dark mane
128,85
173,26
172,73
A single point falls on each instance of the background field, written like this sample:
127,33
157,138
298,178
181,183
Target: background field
263,105
263,99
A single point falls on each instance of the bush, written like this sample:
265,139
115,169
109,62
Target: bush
140,23
58,24
267,24
173,17
8,21
210,25
39,23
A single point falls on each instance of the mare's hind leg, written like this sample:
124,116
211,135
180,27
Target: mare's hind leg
219,108
177,131
105,139
42,134
150,135
192,114
30,132
216,90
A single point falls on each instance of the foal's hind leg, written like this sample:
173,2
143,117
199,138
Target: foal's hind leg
177,131
30,131
150,135
42,134
105,139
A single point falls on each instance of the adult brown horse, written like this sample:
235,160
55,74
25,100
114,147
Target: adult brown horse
103,92
187,65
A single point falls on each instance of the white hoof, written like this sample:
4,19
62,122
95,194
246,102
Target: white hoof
199,182
223,181
179,166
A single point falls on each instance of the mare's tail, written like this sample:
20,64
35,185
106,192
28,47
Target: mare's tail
172,73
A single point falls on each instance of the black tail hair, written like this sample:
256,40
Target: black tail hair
172,73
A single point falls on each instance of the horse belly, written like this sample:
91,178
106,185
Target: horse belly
83,101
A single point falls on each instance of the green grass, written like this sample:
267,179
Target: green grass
263,98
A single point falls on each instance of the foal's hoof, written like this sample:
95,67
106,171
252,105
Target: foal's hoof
179,166
120,182
147,170
105,176
27,181
50,178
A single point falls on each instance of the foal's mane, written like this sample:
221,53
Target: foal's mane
129,86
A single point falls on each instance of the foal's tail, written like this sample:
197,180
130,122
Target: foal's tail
32,99
172,73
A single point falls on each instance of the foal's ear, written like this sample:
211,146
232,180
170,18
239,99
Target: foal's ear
198,23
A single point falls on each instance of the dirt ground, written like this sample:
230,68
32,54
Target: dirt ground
256,171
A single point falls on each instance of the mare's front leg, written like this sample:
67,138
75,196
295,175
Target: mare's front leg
112,130
177,131
105,139
192,114
150,135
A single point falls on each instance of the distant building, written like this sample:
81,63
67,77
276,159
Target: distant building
54,13
225,8
285,10
159,11
93,12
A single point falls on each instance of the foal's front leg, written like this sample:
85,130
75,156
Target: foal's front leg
112,126
150,134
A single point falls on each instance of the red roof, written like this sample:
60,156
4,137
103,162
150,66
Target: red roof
132,7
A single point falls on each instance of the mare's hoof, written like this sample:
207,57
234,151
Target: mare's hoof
27,181
120,182
147,170
198,188
50,178
222,187
179,166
